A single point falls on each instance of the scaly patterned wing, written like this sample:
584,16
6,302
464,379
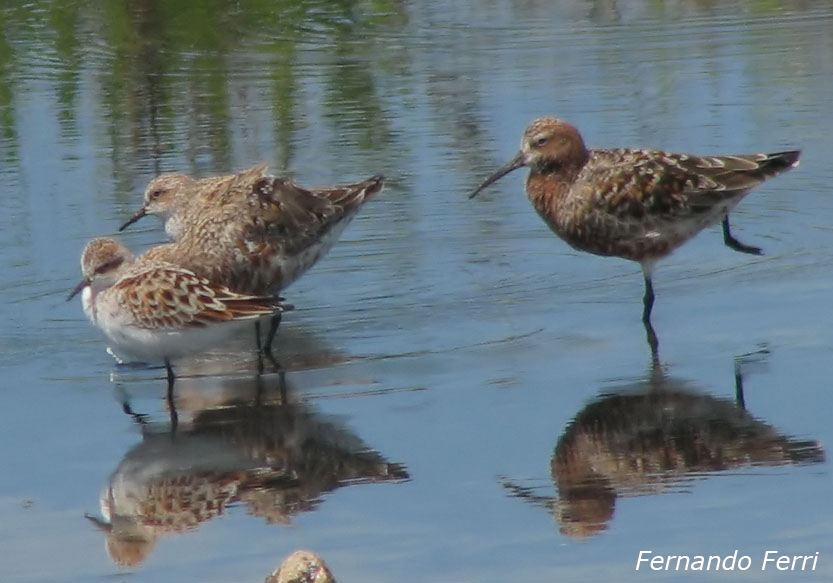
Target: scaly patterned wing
239,188
635,184
167,296
731,176
298,217
211,195
178,502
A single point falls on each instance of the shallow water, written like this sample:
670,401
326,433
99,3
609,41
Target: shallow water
465,398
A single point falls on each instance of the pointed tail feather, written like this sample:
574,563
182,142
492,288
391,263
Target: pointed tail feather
774,164
351,195
245,307
739,174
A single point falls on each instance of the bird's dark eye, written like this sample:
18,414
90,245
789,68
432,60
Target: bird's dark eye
156,194
540,141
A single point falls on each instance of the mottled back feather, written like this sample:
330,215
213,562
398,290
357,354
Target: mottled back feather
178,298
636,204
633,184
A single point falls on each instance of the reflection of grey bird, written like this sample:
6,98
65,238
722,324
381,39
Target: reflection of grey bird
651,437
167,486
317,452
278,460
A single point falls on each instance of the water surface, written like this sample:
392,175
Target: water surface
465,398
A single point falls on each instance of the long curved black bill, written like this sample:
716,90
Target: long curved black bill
513,164
84,283
136,216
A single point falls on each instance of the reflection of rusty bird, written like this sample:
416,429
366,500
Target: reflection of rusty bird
649,438
276,459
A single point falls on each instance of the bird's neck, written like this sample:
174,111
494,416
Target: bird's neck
546,191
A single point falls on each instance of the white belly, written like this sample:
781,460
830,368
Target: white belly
154,345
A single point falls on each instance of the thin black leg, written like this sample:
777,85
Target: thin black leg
733,243
739,399
648,300
273,329
653,342
266,350
171,376
648,304
171,402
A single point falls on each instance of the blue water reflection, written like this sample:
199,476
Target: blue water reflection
458,338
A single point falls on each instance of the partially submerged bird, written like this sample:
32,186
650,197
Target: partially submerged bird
252,232
301,567
156,310
635,204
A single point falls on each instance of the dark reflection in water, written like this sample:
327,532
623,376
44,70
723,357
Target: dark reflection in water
651,437
191,74
258,449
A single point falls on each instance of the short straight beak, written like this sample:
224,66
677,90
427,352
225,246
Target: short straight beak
136,216
513,164
84,283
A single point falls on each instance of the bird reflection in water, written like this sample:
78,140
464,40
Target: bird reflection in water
651,437
232,373
275,457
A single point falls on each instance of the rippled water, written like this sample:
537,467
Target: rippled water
466,398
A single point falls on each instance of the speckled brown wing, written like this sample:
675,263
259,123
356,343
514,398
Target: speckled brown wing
168,296
298,217
636,184
239,187
178,502
632,184
730,176
217,195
